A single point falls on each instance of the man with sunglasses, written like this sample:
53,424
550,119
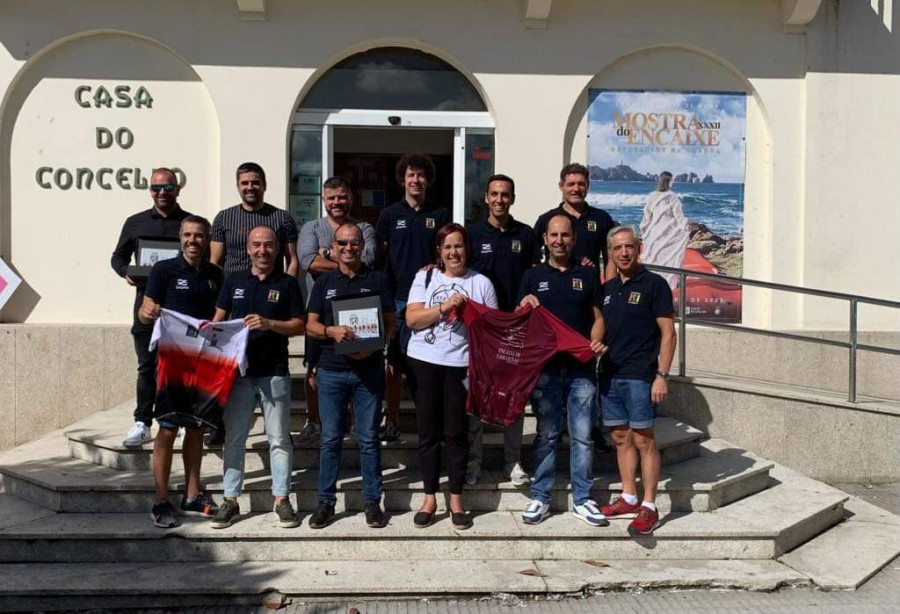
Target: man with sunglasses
161,221
317,258
344,377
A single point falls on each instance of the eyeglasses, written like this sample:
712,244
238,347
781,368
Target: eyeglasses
346,242
161,187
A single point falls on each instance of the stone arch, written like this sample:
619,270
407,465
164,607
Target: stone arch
59,238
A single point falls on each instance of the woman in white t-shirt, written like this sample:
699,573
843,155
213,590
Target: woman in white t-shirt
438,354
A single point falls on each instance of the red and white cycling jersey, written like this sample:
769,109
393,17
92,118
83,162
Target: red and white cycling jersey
196,365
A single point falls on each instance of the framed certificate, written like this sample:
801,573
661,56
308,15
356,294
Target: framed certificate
149,252
362,313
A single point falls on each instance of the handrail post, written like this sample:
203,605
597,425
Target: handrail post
854,340
682,325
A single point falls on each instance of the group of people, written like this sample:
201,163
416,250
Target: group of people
424,269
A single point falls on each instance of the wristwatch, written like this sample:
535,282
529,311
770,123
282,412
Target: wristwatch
327,254
664,374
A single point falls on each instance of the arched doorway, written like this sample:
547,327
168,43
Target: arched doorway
371,108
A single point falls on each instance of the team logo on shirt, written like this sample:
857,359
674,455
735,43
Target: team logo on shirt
238,293
487,248
544,286
330,293
577,284
401,225
606,299
429,222
517,246
181,284
192,331
634,298
592,226
273,296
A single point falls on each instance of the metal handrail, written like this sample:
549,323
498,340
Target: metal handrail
854,301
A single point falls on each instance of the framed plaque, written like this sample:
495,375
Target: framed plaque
149,252
362,313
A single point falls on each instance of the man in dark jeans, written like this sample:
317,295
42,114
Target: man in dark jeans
162,221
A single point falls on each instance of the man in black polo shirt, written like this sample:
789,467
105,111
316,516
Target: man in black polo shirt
501,249
640,333
189,285
271,306
162,221
570,291
344,377
591,224
406,232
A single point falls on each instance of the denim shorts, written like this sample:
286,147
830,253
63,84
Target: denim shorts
626,402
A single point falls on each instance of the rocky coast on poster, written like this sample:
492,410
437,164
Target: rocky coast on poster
635,136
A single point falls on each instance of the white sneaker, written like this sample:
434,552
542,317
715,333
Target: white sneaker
535,512
181,432
590,513
518,476
138,435
473,472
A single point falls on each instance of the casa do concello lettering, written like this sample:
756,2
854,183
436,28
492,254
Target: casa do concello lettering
105,178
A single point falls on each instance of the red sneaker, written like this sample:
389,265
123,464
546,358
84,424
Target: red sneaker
645,522
620,507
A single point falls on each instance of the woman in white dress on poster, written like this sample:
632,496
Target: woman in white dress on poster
664,229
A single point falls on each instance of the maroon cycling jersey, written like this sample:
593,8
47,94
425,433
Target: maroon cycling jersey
507,352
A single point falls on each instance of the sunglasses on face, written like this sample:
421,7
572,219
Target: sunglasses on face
163,187
350,242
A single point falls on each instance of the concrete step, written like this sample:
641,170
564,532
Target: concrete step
720,475
677,442
216,585
793,512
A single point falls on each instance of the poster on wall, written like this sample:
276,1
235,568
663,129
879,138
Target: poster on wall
671,164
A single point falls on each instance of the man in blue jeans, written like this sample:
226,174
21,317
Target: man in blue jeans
344,377
572,292
271,306
640,332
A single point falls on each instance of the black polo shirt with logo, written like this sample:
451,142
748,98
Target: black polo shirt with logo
502,256
590,233
409,235
276,298
632,333
335,284
570,295
178,286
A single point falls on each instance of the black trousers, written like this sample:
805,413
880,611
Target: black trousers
441,419
146,374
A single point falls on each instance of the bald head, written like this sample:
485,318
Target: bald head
262,246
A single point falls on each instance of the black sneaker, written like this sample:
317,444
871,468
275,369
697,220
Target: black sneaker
391,432
228,513
163,515
322,516
216,437
374,516
287,519
202,505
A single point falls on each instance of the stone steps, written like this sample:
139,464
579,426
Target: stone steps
720,475
760,527
102,445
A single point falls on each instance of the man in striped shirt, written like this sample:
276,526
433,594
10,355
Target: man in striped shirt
232,226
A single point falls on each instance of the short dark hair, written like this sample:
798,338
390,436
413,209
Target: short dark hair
415,160
250,167
574,169
333,183
500,177
445,231
196,219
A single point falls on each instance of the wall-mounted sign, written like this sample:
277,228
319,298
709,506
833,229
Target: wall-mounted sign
671,164
9,281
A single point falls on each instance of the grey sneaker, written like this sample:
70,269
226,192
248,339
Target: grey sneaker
473,472
287,519
517,475
227,514
163,515
309,436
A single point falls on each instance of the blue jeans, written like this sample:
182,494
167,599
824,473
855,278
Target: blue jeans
336,389
274,396
627,402
576,389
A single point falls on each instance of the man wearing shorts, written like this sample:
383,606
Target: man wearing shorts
640,334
